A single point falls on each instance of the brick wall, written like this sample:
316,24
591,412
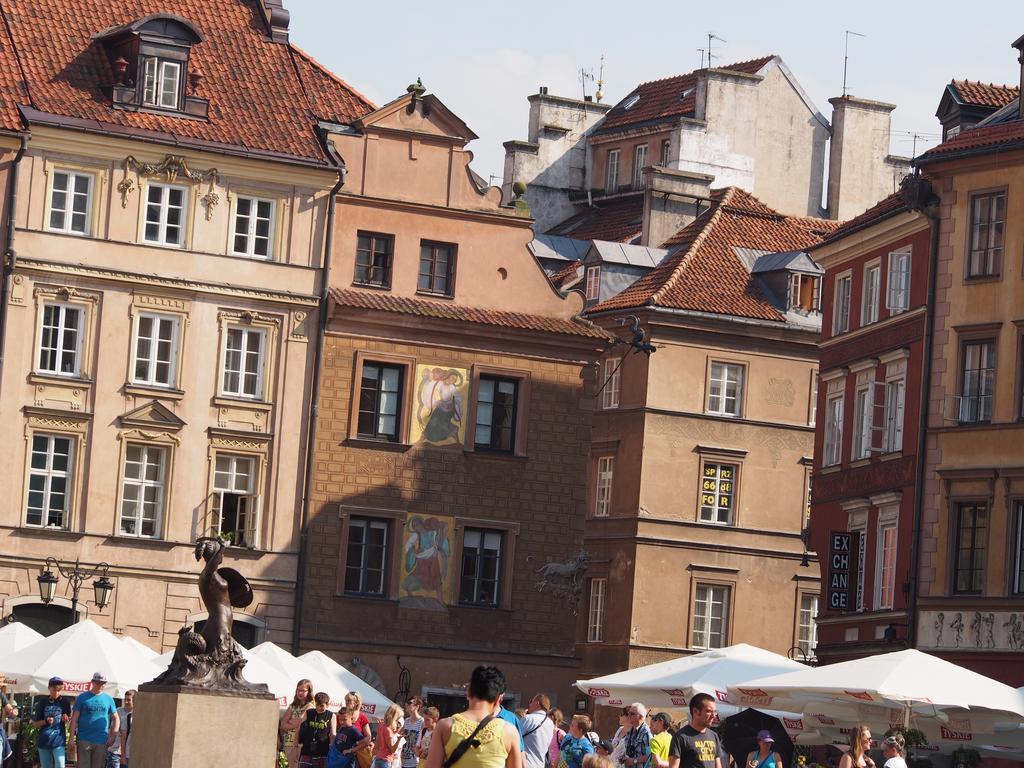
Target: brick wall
543,493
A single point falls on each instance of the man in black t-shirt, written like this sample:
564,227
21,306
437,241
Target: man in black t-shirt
695,745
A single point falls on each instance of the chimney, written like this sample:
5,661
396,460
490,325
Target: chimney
672,199
1019,45
858,173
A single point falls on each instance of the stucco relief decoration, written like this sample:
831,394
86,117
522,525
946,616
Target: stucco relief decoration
780,392
565,579
373,464
441,395
972,630
427,572
171,168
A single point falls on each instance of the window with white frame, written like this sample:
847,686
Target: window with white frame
711,616
60,339
612,177
807,633
977,380
49,481
841,304
895,405
725,389
833,447
593,283
611,382
234,500
481,567
366,557
885,559
603,486
165,215
813,407
666,152
804,292
156,350
143,490
70,202
863,417
243,362
1018,548
870,294
595,616
254,228
639,163
718,492
161,82
898,290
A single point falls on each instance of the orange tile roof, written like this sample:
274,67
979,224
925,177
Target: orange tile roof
617,220
703,273
264,96
386,302
669,97
567,275
989,138
883,209
985,94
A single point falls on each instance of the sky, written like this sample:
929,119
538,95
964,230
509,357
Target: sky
483,58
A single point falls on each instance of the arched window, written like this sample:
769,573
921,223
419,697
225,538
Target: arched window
44,619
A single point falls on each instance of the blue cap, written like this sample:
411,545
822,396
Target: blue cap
55,681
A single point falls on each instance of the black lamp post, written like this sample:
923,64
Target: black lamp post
77,575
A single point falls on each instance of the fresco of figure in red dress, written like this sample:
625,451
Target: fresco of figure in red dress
426,561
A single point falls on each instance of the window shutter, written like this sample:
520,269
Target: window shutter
248,510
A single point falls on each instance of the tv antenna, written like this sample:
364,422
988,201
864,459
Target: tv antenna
701,57
846,55
586,74
713,36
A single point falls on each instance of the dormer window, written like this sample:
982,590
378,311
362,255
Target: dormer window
161,83
151,62
805,292
631,101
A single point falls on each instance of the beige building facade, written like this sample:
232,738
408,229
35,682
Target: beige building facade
163,284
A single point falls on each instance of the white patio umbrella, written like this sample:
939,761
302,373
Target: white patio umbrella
142,648
74,654
375,703
908,687
671,684
14,637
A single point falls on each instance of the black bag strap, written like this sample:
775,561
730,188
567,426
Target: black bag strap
463,746
535,728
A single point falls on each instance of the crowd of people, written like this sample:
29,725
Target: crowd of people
487,735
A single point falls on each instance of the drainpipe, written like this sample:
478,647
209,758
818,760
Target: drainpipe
10,258
314,410
922,426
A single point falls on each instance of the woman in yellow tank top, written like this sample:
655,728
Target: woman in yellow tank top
496,745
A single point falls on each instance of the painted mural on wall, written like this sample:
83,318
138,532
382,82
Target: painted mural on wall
427,546
971,630
439,410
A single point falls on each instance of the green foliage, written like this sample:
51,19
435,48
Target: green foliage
965,756
282,761
27,741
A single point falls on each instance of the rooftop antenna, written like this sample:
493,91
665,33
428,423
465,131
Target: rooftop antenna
599,95
585,75
713,36
701,57
846,55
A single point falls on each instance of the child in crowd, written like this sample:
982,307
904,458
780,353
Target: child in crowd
316,733
389,738
576,745
430,717
343,752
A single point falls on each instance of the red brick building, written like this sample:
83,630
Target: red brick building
867,453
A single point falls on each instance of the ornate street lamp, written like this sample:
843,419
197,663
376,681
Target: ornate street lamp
77,575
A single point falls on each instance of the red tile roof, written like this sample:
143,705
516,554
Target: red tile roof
617,220
988,138
567,275
883,209
264,96
669,97
985,94
703,273
386,302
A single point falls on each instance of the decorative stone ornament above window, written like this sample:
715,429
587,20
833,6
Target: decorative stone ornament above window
149,60
172,167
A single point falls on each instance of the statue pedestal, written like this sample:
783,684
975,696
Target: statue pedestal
190,728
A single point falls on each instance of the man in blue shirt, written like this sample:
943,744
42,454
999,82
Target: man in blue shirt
94,724
49,717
